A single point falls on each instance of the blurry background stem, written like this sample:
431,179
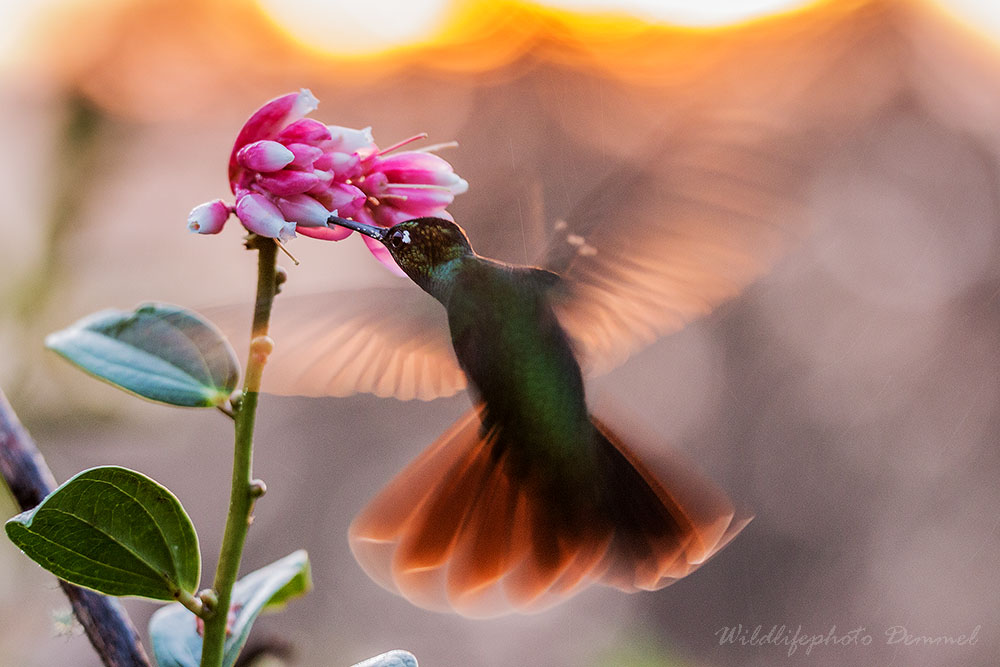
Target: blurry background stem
243,493
74,174
29,479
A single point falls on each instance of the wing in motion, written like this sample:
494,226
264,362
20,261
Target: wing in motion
384,341
656,247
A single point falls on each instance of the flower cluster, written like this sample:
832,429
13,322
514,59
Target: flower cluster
290,173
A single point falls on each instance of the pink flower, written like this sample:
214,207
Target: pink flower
266,123
262,217
290,173
265,155
409,185
303,210
208,218
286,168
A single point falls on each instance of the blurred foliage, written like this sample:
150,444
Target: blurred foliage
638,651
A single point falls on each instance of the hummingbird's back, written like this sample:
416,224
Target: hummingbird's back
519,362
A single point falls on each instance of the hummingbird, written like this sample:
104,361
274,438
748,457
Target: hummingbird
528,498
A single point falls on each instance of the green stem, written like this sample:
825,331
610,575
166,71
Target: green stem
242,496
191,602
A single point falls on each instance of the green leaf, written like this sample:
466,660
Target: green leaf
173,629
113,530
158,351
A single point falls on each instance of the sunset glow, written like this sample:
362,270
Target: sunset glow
355,28
981,15
339,28
351,28
683,12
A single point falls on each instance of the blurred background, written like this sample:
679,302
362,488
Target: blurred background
849,396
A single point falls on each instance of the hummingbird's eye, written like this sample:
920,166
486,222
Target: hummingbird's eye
399,239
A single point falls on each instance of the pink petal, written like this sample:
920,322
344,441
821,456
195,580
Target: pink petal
345,165
412,160
363,216
373,184
347,140
305,131
287,182
417,167
324,179
303,210
342,197
264,155
346,198
382,254
387,216
419,201
324,161
335,233
208,218
459,187
260,216
266,122
305,155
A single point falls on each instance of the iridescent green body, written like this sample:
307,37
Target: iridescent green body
512,348
516,355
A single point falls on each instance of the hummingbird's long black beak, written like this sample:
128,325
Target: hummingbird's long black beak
377,233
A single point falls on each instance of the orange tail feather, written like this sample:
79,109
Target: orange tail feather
456,532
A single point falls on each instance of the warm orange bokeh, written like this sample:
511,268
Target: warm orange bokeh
179,57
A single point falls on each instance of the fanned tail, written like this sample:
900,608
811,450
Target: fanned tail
667,522
460,529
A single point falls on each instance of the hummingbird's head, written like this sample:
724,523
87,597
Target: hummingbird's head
424,248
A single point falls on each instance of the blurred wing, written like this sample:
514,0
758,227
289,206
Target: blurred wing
660,244
383,341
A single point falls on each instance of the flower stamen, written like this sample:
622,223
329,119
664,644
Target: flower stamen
419,186
400,144
282,248
436,147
